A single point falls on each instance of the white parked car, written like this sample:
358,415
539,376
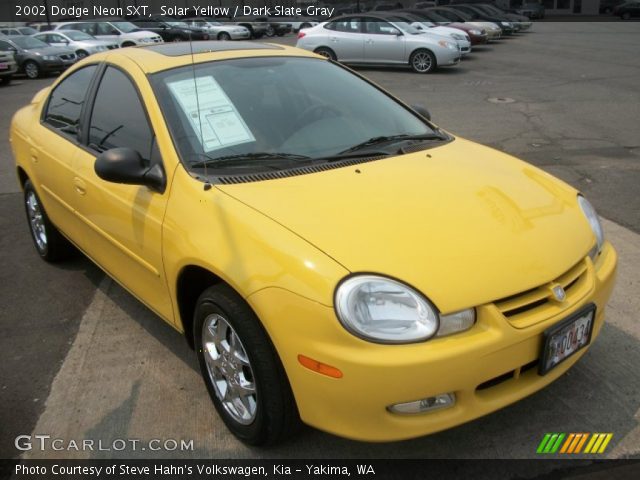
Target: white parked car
373,40
124,33
81,43
430,28
218,30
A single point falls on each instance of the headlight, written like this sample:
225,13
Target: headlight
594,222
383,310
457,37
505,24
445,44
50,57
475,32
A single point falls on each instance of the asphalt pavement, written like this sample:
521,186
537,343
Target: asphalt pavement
80,358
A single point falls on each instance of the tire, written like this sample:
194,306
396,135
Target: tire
6,80
423,61
81,54
266,413
128,44
178,39
270,31
31,69
625,16
224,37
326,52
49,242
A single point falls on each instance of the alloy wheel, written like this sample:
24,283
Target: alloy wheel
229,369
36,221
422,62
32,70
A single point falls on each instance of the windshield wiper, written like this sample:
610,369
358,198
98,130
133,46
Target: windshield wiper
392,139
245,159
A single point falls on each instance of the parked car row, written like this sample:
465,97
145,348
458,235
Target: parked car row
423,39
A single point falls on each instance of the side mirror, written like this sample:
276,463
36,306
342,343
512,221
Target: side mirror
125,165
396,32
422,111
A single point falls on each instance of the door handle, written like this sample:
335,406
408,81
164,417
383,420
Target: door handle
80,185
333,39
369,41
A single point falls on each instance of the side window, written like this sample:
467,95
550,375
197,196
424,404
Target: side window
55,38
330,25
349,25
5,46
379,27
107,29
65,103
118,118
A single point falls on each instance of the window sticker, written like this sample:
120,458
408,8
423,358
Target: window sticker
218,124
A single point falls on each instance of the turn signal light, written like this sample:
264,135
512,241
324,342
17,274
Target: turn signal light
319,367
444,400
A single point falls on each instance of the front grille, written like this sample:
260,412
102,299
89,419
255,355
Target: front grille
537,304
112,46
67,56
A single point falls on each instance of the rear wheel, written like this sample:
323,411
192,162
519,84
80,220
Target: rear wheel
224,36
326,52
242,370
270,31
625,16
31,69
128,44
423,61
49,242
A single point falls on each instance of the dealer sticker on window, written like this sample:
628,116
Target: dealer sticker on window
213,116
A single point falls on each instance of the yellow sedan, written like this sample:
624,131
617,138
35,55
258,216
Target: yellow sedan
332,256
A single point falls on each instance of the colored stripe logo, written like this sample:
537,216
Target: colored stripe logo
574,443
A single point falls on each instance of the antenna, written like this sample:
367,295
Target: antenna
195,86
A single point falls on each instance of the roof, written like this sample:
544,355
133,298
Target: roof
155,58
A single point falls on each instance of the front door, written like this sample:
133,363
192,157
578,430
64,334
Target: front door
383,43
123,230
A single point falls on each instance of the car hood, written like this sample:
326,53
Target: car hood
140,34
463,223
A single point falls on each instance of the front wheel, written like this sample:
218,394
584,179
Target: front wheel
270,31
423,61
241,369
49,242
625,16
81,54
32,70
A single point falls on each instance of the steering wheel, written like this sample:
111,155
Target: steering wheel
313,113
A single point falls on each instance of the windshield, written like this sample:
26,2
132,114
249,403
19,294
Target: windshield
77,35
29,43
27,30
178,24
436,17
300,107
125,27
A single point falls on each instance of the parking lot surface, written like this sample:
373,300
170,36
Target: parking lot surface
82,359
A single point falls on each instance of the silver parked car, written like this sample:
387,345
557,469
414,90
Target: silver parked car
218,30
373,40
82,43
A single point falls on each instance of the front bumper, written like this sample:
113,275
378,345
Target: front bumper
376,376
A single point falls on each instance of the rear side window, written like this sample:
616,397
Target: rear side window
66,101
118,118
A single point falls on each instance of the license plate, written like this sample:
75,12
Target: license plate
4,66
566,338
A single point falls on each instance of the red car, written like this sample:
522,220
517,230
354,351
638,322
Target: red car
476,34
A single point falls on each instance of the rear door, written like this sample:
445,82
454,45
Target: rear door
54,148
346,39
